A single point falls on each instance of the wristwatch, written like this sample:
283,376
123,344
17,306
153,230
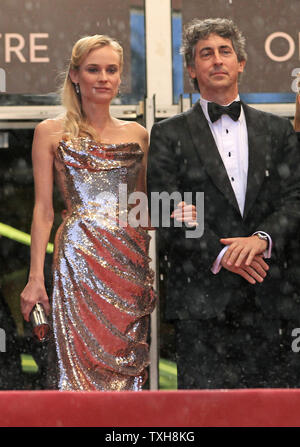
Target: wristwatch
262,236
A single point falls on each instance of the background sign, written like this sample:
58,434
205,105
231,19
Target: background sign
272,32
36,38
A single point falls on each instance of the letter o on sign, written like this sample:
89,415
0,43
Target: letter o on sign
270,39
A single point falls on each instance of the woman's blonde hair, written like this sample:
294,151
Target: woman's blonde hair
75,122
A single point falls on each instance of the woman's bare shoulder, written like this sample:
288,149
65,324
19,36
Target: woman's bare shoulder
49,132
138,133
50,126
137,127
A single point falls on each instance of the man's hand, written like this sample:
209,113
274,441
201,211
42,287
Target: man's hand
242,250
256,272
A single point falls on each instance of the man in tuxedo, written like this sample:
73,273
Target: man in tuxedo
232,293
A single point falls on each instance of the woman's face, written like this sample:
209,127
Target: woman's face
99,76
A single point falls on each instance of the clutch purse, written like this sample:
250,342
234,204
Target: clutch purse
39,321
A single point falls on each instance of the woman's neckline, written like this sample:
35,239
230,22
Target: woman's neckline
99,143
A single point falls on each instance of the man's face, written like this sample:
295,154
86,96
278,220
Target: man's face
216,67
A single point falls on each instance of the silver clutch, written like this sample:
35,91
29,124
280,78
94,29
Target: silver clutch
39,321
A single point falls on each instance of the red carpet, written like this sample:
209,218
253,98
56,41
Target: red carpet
209,408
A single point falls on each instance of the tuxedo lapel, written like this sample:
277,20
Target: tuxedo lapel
259,147
207,152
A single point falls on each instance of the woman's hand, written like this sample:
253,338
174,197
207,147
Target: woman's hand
185,213
33,293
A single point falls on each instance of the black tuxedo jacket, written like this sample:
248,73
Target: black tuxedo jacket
183,157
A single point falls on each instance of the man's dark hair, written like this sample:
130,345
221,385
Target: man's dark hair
200,29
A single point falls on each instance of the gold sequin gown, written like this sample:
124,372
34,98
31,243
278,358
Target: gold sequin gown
102,283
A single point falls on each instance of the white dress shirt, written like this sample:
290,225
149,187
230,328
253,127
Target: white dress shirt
231,139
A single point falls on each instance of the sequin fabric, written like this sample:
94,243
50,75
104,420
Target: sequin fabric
102,283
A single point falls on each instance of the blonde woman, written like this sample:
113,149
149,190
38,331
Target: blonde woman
102,284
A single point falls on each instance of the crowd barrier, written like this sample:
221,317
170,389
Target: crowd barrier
199,408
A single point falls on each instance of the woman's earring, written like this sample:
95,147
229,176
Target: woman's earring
77,89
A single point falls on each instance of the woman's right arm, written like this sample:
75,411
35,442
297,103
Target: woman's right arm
43,216
297,115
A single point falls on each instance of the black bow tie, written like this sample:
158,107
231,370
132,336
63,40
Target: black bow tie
215,111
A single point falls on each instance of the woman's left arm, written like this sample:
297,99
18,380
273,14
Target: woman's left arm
142,137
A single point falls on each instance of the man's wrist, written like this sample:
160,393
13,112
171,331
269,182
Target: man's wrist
262,237
264,241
